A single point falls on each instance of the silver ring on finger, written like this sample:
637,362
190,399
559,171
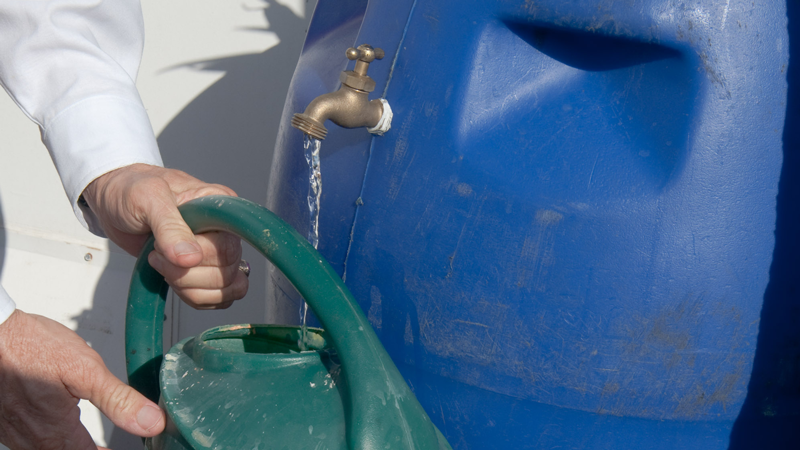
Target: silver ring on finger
244,267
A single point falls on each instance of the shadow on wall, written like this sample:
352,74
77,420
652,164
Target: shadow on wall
770,416
225,135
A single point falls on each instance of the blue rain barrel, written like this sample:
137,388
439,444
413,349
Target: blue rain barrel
582,230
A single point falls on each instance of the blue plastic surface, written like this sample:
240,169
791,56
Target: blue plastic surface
568,238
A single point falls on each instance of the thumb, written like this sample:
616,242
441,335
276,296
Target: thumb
126,407
174,239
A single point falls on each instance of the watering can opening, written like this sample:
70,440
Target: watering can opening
249,347
246,347
264,339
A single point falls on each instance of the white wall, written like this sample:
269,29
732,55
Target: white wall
214,79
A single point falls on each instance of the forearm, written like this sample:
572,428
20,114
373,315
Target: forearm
71,66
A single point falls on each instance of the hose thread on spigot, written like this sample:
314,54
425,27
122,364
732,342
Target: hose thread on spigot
309,126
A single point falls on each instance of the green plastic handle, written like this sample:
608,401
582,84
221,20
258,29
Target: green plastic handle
381,410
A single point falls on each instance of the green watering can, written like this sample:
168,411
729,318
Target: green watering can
248,387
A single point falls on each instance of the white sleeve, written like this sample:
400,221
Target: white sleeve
7,305
71,66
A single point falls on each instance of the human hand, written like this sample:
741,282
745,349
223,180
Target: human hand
134,200
45,369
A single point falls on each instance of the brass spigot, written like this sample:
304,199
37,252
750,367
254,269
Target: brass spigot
348,107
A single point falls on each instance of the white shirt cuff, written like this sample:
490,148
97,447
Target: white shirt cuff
94,137
7,306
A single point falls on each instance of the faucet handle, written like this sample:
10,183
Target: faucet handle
365,53
358,78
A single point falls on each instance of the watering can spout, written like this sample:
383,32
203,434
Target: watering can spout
348,107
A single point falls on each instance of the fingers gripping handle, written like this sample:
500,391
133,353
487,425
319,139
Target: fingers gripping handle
381,406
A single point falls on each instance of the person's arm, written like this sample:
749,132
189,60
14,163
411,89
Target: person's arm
70,65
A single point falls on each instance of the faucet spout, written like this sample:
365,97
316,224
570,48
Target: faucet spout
348,107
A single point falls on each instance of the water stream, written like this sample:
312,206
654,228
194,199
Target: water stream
311,147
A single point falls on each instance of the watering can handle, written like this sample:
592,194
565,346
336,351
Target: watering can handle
380,409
